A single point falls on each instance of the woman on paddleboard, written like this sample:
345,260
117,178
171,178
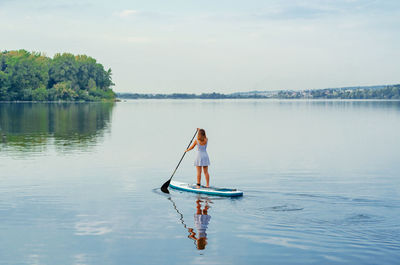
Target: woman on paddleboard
201,161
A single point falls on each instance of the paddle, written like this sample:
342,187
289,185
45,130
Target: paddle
164,187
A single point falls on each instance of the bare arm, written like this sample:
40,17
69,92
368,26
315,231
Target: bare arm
193,145
192,234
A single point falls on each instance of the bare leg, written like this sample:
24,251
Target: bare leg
205,169
198,175
198,207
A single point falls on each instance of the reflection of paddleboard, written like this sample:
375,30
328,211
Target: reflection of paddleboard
210,191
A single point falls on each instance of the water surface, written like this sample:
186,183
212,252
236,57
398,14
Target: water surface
80,182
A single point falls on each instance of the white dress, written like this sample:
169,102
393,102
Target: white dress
201,222
201,159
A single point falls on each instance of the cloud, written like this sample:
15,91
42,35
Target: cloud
124,39
127,13
136,39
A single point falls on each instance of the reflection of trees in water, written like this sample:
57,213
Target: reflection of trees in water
69,126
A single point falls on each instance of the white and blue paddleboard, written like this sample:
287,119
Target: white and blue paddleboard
210,191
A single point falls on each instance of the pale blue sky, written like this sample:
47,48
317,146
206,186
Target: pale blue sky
223,46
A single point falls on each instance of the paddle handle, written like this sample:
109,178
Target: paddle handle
183,155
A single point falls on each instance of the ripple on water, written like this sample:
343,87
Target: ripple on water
283,208
346,221
362,218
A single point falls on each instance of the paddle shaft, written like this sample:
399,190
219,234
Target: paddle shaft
183,155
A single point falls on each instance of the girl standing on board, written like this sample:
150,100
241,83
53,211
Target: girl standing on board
201,160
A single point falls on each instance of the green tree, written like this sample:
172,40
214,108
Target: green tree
40,94
62,91
63,69
4,85
33,76
25,72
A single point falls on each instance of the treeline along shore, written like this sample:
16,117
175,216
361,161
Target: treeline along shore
367,92
32,76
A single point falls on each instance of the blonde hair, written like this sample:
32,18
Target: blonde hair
201,243
201,136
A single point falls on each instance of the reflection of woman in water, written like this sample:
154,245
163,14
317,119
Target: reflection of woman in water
201,220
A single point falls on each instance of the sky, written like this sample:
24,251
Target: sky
185,46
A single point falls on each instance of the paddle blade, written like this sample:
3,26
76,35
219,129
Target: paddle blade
164,187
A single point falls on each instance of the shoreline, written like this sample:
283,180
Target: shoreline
206,99
61,101
380,92
261,99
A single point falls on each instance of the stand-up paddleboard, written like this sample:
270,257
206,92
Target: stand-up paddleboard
210,191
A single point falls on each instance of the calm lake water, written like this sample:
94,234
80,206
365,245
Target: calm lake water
80,182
